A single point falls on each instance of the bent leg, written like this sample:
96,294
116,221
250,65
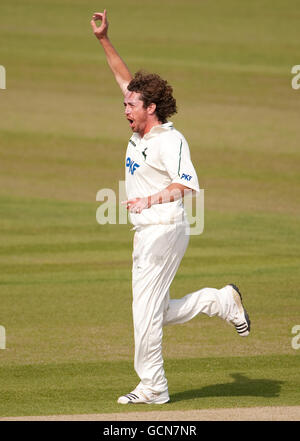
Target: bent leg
209,301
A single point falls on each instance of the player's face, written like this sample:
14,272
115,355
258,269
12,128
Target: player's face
135,112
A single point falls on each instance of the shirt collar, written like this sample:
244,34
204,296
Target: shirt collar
160,128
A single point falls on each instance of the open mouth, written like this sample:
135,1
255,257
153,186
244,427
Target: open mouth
130,121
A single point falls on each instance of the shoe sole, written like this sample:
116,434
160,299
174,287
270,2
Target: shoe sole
144,402
241,329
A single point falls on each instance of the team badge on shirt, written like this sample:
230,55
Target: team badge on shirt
144,153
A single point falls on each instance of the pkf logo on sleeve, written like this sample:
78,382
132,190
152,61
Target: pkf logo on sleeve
186,177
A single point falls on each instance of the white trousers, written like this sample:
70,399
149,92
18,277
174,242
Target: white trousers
157,253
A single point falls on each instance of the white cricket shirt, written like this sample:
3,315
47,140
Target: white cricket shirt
160,158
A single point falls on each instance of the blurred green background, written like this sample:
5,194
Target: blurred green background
65,281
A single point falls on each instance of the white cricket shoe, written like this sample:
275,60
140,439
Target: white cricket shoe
241,319
138,396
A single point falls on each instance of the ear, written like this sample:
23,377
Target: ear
151,109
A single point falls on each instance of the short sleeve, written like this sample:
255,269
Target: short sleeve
175,155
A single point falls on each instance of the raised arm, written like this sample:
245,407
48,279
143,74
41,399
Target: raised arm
115,62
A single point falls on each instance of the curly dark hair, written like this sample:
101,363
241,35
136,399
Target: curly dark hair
154,89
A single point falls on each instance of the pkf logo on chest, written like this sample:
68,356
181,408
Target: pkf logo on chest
186,177
132,166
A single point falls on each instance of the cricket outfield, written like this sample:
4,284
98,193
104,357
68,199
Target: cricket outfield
65,280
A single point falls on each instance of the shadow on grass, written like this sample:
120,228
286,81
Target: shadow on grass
241,386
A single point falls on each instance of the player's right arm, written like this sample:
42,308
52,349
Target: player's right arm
115,62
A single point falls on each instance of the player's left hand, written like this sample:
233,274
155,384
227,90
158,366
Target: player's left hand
136,205
101,31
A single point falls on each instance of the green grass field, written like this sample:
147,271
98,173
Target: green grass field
65,281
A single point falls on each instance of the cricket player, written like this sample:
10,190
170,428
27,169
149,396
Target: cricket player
159,171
